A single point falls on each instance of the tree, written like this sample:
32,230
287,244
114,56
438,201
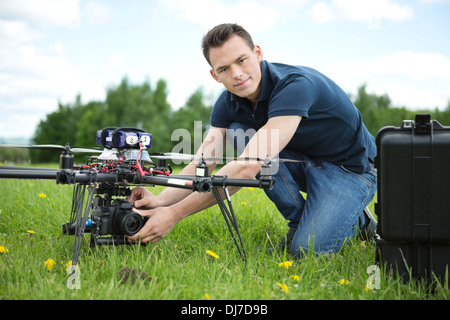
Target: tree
59,128
195,111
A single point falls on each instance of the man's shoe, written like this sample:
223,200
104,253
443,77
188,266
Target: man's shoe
369,229
286,241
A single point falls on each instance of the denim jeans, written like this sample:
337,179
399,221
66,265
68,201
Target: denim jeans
332,212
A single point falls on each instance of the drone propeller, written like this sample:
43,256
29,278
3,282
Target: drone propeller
191,157
52,147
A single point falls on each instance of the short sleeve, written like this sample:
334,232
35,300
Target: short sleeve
293,97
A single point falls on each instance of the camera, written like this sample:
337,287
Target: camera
110,222
115,219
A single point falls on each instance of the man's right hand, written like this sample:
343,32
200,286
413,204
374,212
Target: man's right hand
141,198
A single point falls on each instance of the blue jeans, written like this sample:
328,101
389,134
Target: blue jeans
332,212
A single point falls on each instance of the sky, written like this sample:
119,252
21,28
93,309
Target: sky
53,50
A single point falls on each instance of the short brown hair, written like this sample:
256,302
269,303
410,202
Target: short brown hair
217,36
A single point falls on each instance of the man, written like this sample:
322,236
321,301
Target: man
296,113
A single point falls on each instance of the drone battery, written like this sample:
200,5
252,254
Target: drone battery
124,139
413,199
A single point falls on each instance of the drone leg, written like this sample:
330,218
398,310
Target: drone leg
230,219
80,220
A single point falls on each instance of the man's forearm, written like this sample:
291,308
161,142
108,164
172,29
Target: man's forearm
198,201
170,196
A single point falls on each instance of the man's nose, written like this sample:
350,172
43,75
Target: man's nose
236,72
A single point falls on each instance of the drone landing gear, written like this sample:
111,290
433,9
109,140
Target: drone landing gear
80,212
230,219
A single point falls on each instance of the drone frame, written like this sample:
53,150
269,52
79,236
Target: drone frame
117,183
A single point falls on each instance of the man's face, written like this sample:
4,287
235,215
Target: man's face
237,67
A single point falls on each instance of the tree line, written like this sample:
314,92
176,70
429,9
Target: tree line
141,106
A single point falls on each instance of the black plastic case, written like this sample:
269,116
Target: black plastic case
413,200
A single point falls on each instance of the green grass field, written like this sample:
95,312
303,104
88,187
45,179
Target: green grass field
177,267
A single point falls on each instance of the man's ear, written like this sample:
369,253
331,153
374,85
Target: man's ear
213,74
258,52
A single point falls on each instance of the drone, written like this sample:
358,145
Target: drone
101,185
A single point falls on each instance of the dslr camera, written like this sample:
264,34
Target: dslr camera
110,222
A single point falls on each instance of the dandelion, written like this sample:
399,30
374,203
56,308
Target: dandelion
251,188
69,264
31,232
212,254
3,249
294,277
286,264
244,203
283,287
49,263
41,195
362,244
343,282
366,288
207,297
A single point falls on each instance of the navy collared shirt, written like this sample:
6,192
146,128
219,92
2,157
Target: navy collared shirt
331,128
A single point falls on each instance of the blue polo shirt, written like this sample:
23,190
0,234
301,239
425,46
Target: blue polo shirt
331,128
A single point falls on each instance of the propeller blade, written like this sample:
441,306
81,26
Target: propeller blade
51,147
182,156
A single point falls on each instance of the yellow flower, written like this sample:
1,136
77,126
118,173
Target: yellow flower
41,195
68,264
251,188
212,254
283,287
31,231
343,282
207,296
366,288
244,203
294,277
49,263
3,249
286,264
362,244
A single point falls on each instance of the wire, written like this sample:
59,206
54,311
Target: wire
141,172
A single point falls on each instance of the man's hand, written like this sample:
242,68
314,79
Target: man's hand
141,198
160,222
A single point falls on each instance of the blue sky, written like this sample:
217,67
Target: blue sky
51,50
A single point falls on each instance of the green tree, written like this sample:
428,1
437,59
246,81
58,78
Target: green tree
59,128
92,120
195,111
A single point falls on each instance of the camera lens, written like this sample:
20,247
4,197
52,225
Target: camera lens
132,223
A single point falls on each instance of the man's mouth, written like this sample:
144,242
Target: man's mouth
242,83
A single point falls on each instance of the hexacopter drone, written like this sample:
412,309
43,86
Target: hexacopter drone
102,211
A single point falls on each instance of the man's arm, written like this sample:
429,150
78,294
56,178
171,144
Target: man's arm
268,141
212,147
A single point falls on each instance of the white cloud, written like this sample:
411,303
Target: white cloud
410,79
254,15
44,13
411,65
95,13
368,11
322,13
12,33
115,59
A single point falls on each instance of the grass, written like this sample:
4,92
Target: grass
178,267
